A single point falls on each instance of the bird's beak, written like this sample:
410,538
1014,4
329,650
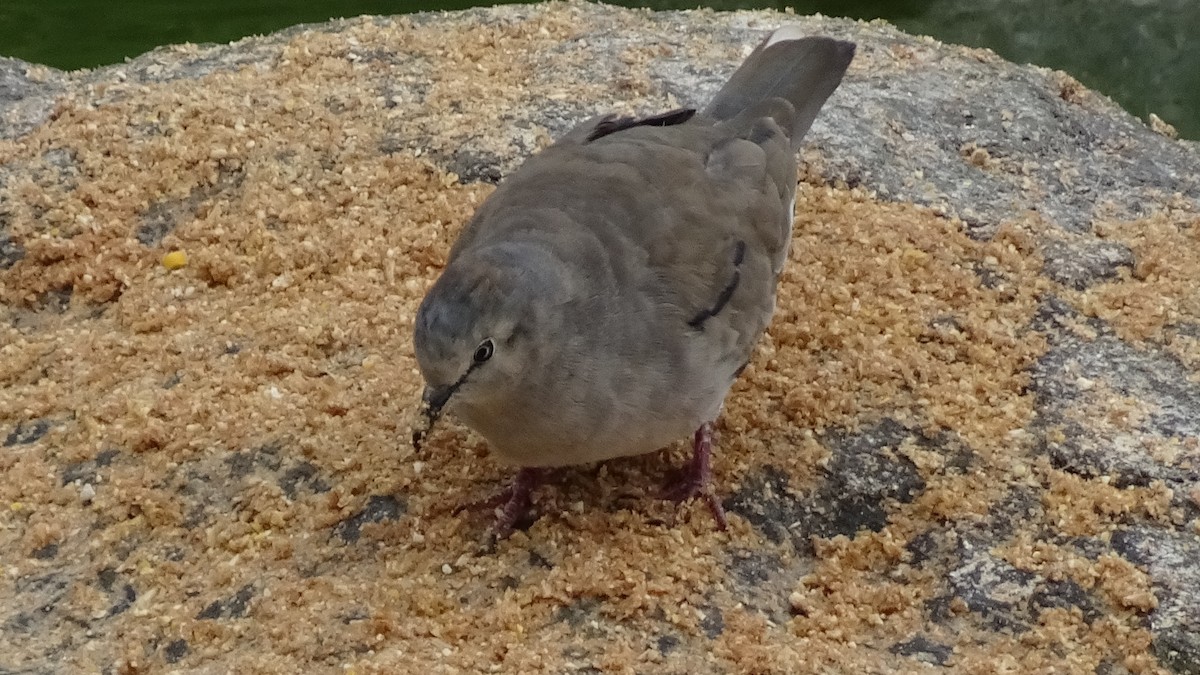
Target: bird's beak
435,398
432,402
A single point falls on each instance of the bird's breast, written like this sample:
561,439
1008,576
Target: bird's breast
590,409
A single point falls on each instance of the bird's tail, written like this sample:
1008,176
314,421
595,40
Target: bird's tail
803,71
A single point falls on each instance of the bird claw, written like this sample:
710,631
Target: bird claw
513,502
693,480
487,503
687,487
509,504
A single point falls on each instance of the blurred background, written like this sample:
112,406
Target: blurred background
1145,54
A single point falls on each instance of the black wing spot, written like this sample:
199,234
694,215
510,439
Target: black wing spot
613,124
739,254
741,369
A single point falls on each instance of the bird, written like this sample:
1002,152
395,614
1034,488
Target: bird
604,298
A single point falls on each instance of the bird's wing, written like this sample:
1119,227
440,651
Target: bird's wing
690,221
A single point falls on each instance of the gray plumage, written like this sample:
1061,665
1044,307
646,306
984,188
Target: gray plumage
617,282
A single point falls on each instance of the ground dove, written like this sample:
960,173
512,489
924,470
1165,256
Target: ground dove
604,298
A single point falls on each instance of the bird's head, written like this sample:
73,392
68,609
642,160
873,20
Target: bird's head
478,331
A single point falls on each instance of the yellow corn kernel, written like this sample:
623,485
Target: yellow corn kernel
175,260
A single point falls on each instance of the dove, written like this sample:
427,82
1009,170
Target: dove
604,298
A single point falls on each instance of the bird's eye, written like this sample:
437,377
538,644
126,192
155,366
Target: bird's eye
484,351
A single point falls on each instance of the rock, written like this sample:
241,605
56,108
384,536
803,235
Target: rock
27,95
234,607
1172,562
969,441
1084,265
379,508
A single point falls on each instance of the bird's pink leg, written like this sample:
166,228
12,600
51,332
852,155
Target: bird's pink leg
512,502
695,478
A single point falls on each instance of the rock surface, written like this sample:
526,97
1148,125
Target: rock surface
969,443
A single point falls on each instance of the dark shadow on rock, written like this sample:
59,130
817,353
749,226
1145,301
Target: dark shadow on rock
1179,649
1014,512
1065,594
713,623
37,599
576,614
28,432
54,301
474,167
45,552
304,476
378,509
862,478
1067,375
1172,560
162,217
230,608
125,599
88,470
761,580
931,545
242,464
923,649
996,591
765,501
858,481
666,644
11,252
175,651
754,568
1001,597
539,561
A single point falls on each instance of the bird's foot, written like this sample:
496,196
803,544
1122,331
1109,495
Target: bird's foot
694,479
509,504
